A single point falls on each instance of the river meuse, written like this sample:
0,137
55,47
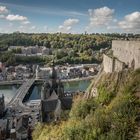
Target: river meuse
10,91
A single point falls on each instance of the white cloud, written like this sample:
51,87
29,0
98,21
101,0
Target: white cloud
3,10
26,22
64,28
131,22
70,22
5,14
67,25
101,16
12,17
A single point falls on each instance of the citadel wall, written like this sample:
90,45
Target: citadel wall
112,64
118,65
127,52
108,63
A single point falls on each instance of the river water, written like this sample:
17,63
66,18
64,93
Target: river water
10,91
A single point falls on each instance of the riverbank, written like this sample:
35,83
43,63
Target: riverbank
19,82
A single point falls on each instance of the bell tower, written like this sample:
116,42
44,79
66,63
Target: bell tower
52,92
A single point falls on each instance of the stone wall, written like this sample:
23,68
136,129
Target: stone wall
118,65
127,52
112,64
108,63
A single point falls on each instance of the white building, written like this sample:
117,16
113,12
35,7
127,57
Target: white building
42,73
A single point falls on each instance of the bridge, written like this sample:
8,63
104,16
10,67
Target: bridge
20,94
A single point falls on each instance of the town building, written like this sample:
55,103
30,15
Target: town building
10,48
31,50
22,124
45,51
42,73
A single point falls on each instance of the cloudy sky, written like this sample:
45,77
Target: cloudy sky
70,16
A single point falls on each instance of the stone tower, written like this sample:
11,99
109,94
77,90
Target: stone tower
52,91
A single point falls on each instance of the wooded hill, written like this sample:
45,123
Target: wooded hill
66,48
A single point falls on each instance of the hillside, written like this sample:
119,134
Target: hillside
112,115
65,48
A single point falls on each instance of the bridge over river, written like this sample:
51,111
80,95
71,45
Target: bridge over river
16,101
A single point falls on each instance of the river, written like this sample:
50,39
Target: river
10,91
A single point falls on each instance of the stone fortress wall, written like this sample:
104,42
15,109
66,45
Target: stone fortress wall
118,65
108,63
125,54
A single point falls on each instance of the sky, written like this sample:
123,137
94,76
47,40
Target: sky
70,16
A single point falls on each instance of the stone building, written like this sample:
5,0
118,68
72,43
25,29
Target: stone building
45,51
2,106
22,124
53,98
126,54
